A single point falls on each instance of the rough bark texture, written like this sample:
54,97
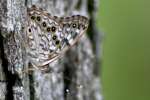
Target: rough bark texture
73,77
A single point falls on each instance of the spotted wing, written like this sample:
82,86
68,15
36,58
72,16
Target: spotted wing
48,37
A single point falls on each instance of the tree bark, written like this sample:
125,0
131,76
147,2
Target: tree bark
72,77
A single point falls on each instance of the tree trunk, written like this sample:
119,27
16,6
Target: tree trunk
72,77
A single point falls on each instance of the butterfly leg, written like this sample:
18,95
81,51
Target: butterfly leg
32,68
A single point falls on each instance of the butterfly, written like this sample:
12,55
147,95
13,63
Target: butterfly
48,37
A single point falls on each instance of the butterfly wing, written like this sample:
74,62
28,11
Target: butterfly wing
48,37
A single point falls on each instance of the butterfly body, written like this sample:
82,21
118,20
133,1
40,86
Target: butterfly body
48,37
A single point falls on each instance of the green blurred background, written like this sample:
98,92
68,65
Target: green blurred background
126,49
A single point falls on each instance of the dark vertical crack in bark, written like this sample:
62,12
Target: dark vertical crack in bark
70,77
78,5
10,78
67,79
31,84
94,34
90,11
26,2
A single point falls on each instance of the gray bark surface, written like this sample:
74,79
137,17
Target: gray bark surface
72,77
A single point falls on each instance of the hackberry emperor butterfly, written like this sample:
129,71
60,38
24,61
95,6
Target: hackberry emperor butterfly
48,37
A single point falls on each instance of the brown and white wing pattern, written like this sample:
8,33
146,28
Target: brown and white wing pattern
48,37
